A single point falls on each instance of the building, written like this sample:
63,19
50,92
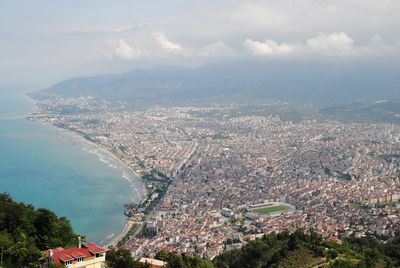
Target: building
153,262
86,255
226,212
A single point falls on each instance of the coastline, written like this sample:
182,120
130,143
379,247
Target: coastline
104,150
114,241
107,152
143,205
78,139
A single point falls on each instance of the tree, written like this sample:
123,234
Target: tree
24,253
121,258
52,231
5,242
25,231
182,261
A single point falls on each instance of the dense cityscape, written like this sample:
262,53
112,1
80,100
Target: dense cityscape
200,134
206,170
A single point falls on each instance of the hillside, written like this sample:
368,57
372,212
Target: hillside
25,231
242,82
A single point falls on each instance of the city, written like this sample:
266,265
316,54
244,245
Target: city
206,168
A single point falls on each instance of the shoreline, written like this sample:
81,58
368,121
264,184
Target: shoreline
144,203
114,240
102,149
107,152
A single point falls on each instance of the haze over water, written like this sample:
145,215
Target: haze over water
54,169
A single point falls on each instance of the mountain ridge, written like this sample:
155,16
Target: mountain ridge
240,82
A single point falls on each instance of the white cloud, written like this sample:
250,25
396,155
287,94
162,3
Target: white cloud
268,47
166,44
337,43
130,27
292,22
333,44
125,51
217,49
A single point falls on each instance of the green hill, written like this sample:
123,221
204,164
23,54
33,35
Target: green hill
25,231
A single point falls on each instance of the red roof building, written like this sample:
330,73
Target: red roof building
89,255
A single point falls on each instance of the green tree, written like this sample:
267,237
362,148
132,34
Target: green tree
121,258
182,261
52,231
24,253
25,231
5,242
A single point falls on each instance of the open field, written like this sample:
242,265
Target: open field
271,209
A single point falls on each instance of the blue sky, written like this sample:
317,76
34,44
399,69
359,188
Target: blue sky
42,42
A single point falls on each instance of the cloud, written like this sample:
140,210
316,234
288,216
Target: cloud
166,44
217,50
125,51
268,47
130,27
337,43
377,46
333,44
289,25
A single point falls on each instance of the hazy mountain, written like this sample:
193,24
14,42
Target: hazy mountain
243,82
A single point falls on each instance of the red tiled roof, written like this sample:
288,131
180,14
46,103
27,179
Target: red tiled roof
61,255
94,249
65,257
77,254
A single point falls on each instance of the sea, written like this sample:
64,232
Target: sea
52,168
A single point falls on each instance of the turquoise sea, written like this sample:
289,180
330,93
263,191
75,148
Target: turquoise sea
55,169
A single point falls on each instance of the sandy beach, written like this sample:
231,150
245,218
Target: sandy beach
117,238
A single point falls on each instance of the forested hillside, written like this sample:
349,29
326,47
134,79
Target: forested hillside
301,249
25,231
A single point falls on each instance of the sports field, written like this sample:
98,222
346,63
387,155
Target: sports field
271,209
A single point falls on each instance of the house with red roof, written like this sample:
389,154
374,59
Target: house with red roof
88,255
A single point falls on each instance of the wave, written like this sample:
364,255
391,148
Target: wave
102,157
112,163
107,239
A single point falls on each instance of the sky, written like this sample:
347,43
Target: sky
46,41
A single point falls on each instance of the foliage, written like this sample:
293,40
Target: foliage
182,261
121,258
25,231
308,249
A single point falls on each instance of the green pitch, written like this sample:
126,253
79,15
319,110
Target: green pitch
272,209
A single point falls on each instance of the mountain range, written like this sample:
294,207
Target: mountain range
242,82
